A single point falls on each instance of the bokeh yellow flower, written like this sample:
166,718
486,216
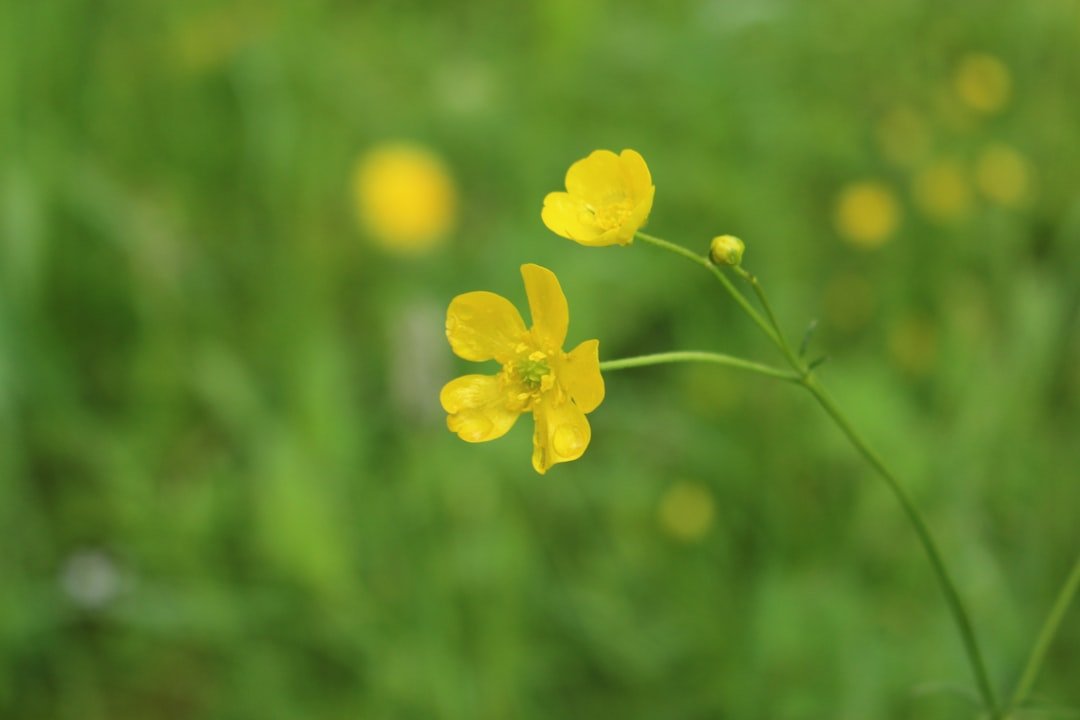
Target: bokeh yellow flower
850,301
867,213
686,511
942,191
913,344
558,388
983,82
608,198
1003,175
903,137
405,197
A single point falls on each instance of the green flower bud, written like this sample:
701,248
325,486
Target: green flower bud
726,250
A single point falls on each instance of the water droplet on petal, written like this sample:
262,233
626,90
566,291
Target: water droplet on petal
471,427
568,441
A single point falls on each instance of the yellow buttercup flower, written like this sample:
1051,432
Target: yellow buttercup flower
608,198
942,191
1004,175
903,137
983,82
867,213
405,197
686,511
558,388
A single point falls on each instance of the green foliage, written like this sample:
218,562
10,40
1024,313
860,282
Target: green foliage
225,484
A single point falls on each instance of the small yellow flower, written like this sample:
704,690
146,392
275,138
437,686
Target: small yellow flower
405,197
536,376
867,214
850,301
608,198
903,137
913,343
983,82
686,511
942,192
1004,175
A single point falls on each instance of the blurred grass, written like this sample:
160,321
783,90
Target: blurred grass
218,399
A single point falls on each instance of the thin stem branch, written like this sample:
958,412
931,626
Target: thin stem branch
782,343
695,356
805,377
704,261
952,597
1046,636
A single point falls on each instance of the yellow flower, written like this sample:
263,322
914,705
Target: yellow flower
903,137
942,191
1004,175
686,511
913,342
608,199
983,82
867,213
537,376
404,197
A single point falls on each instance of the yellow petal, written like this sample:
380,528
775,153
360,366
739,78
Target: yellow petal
579,374
598,179
476,408
638,176
482,325
615,236
568,217
550,315
562,433
624,234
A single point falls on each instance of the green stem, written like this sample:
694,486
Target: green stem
1046,636
704,261
806,378
693,356
952,597
760,292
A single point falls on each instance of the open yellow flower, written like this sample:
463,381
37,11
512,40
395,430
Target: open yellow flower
608,198
536,376
405,197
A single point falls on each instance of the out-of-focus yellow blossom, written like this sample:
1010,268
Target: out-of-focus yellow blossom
608,198
686,511
405,197
942,191
913,344
983,82
204,41
537,376
850,301
1004,175
867,214
903,137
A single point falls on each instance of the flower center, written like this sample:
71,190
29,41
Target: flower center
612,214
528,378
532,370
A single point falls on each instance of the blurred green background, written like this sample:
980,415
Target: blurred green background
226,486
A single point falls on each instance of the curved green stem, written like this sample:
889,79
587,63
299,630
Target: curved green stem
806,378
694,356
704,261
760,292
1046,636
952,597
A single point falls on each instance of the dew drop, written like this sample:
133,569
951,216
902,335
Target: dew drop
472,427
568,441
